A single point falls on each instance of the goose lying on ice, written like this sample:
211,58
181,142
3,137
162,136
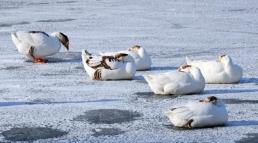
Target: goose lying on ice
139,54
120,66
204,113
187,80
37,44
222,71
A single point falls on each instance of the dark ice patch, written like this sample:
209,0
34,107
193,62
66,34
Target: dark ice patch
108,116
237,10
40,101
3,104
11,68
249,80
243,123
13,24
240,101
227,91
141,81
107,132
151,95
79,67
4,91
251,138
32,134
40,3
56,20
66,1
176,26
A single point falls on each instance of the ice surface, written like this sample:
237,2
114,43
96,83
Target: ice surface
52,95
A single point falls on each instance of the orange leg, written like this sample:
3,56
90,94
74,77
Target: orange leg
39,60
34,59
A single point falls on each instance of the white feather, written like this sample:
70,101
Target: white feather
217,71
119,69
141,58
176,82
43,45
203,114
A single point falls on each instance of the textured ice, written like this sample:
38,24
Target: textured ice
53,94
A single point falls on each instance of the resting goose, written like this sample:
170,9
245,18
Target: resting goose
141,58
222,71
120,66
187,80
37,44
204,113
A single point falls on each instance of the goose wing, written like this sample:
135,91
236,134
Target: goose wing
104,62
25,40
33,38
181,116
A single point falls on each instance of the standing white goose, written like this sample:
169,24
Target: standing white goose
204,113
222,71
139,54
37,44
187,80
120,66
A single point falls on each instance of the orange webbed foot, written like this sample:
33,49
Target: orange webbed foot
39,61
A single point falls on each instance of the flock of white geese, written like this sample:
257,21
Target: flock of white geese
188,79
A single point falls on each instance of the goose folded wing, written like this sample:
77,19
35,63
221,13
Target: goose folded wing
32,38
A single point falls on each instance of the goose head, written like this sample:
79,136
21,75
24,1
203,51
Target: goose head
225,59
62,38
210,99
124,57
135,48
189,69
213,100
185,68
194,71
138,50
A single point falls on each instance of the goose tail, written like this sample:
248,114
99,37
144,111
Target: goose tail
15,38
148,78
188,60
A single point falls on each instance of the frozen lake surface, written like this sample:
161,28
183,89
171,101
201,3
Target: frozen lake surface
52,102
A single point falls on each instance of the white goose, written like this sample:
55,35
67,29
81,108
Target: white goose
120,66
187,80
222,71
139,54
37,44
204,113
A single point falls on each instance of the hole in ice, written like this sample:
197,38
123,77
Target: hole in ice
42,101
108,116
32,133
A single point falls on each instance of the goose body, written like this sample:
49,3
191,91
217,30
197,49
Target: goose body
120,66
141,58
222,71
204,113
187,80
37,44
